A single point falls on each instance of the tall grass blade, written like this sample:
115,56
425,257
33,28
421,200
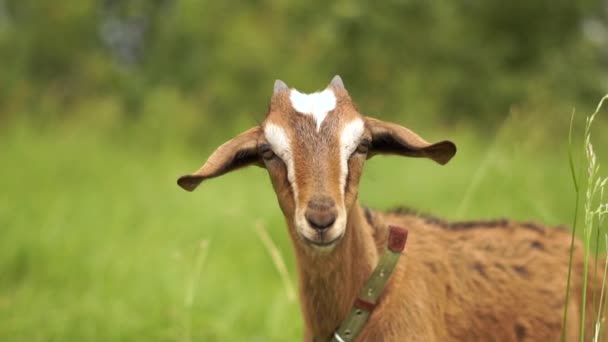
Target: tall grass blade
598,327
482,169
277,260
191,287
576,206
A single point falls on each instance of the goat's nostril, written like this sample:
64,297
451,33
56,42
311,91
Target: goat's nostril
320,220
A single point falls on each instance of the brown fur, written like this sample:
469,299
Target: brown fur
466,281
477,281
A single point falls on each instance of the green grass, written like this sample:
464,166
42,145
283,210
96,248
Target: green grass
97,242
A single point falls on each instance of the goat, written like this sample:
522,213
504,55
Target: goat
475,281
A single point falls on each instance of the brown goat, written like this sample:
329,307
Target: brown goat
475,281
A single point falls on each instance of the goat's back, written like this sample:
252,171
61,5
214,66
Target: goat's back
489,280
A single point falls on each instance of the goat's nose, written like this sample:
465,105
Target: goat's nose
321,213
320,220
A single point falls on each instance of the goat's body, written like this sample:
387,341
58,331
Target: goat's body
476,281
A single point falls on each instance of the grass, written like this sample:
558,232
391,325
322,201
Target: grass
595,186
595,210
99,244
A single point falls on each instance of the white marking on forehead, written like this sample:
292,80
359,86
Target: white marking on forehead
315,104
349,140
281,145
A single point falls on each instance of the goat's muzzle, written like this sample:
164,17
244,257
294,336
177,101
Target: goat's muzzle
321,214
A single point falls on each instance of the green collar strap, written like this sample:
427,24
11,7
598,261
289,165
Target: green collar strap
373,287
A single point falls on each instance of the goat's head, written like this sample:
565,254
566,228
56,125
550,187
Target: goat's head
314,147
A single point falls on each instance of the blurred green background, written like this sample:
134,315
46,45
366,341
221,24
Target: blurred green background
103,104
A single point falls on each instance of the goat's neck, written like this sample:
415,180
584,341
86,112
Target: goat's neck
329,282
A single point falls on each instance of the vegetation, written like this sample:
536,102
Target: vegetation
595,211
103,104
456,60
98,243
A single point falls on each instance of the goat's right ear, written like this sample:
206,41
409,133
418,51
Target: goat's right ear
236,153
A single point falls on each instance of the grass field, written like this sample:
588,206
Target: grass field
97,243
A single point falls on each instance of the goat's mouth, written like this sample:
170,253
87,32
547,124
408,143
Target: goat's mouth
322,241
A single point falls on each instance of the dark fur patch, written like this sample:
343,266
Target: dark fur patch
433,220
431,266
563,228
533,226
478,224
480,268
368,216
407,211
521,270
537,245
464,225
448,290
520,332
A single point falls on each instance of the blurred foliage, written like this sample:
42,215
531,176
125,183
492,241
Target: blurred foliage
216,60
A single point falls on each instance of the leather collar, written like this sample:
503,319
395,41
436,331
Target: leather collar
373,288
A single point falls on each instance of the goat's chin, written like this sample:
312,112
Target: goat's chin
322,245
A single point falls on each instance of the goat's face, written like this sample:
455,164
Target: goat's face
314,147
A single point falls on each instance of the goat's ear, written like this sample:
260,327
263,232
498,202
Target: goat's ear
236,153
390,138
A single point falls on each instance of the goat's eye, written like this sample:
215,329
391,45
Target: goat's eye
266,152
363,147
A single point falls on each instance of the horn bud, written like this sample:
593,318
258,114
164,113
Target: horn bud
279,86
336,82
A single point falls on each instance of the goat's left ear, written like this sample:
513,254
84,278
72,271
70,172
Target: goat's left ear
390,138
236,153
